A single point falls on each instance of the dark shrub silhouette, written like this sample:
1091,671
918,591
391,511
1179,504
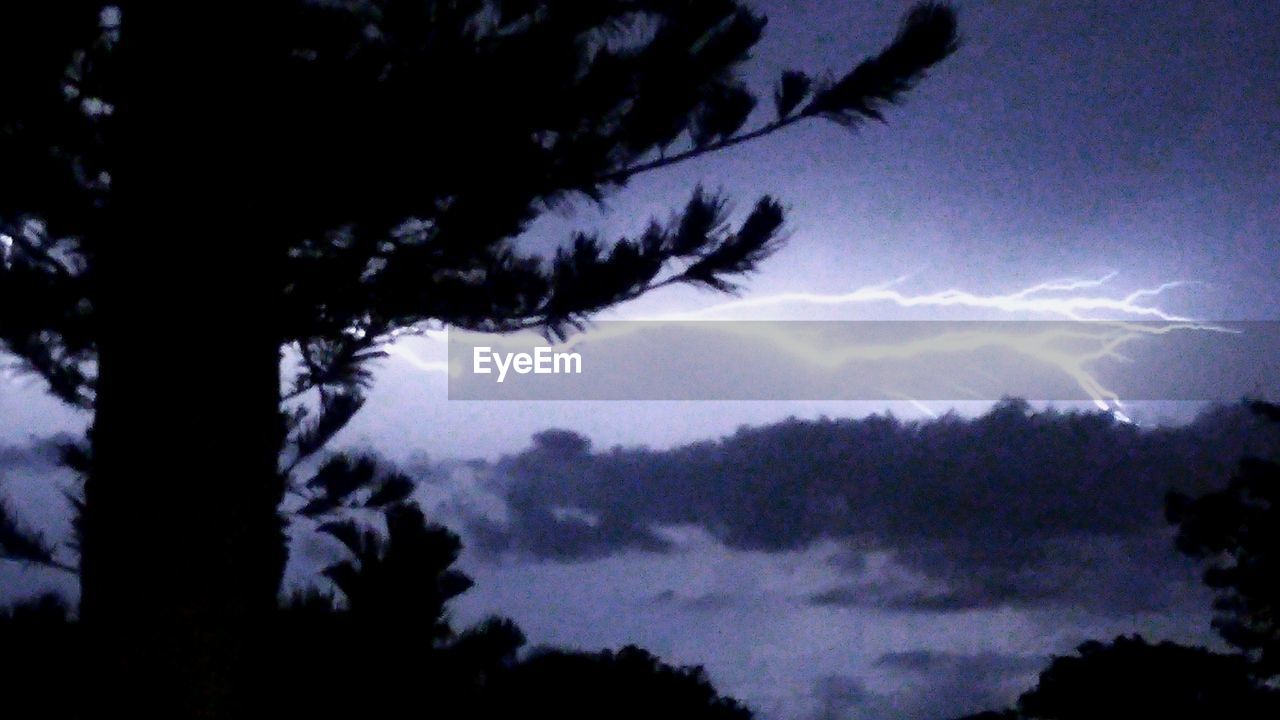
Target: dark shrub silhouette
383,647
1131,678
629,683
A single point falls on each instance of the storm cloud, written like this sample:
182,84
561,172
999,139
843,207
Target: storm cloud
1015,508
929,685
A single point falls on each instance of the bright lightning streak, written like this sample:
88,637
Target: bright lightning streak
1034,299
1053,347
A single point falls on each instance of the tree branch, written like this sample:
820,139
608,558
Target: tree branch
624,174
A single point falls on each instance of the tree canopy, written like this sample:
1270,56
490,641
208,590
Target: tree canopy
1236,530
404,147
188,188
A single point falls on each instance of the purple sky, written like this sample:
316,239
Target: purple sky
1065,140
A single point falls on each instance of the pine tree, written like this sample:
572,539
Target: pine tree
191,191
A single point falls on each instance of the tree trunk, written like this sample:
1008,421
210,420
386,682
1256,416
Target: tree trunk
182,545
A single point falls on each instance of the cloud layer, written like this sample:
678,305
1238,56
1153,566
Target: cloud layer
1016,508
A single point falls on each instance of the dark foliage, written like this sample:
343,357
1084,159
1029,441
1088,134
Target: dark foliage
630,683
1237,531
39,655
398,213
1131,678
382,646
190,187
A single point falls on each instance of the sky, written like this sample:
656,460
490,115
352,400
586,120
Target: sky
1129,146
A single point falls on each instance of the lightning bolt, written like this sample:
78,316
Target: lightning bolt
1057,346
1036,299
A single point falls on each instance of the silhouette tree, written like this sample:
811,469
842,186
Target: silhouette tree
404,578
384,646
628,684
191,188
1131,678
1237,530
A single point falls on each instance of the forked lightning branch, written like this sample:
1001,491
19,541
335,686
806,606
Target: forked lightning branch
542,361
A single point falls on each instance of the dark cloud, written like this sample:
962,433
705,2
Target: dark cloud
930,686
979,666
1135,573
1014,508
837,695
557,537
705,602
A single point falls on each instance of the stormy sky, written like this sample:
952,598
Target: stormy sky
835,564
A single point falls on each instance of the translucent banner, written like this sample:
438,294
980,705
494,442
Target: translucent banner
1101,361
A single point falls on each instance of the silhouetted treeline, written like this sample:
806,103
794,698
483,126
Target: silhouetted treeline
1130,678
